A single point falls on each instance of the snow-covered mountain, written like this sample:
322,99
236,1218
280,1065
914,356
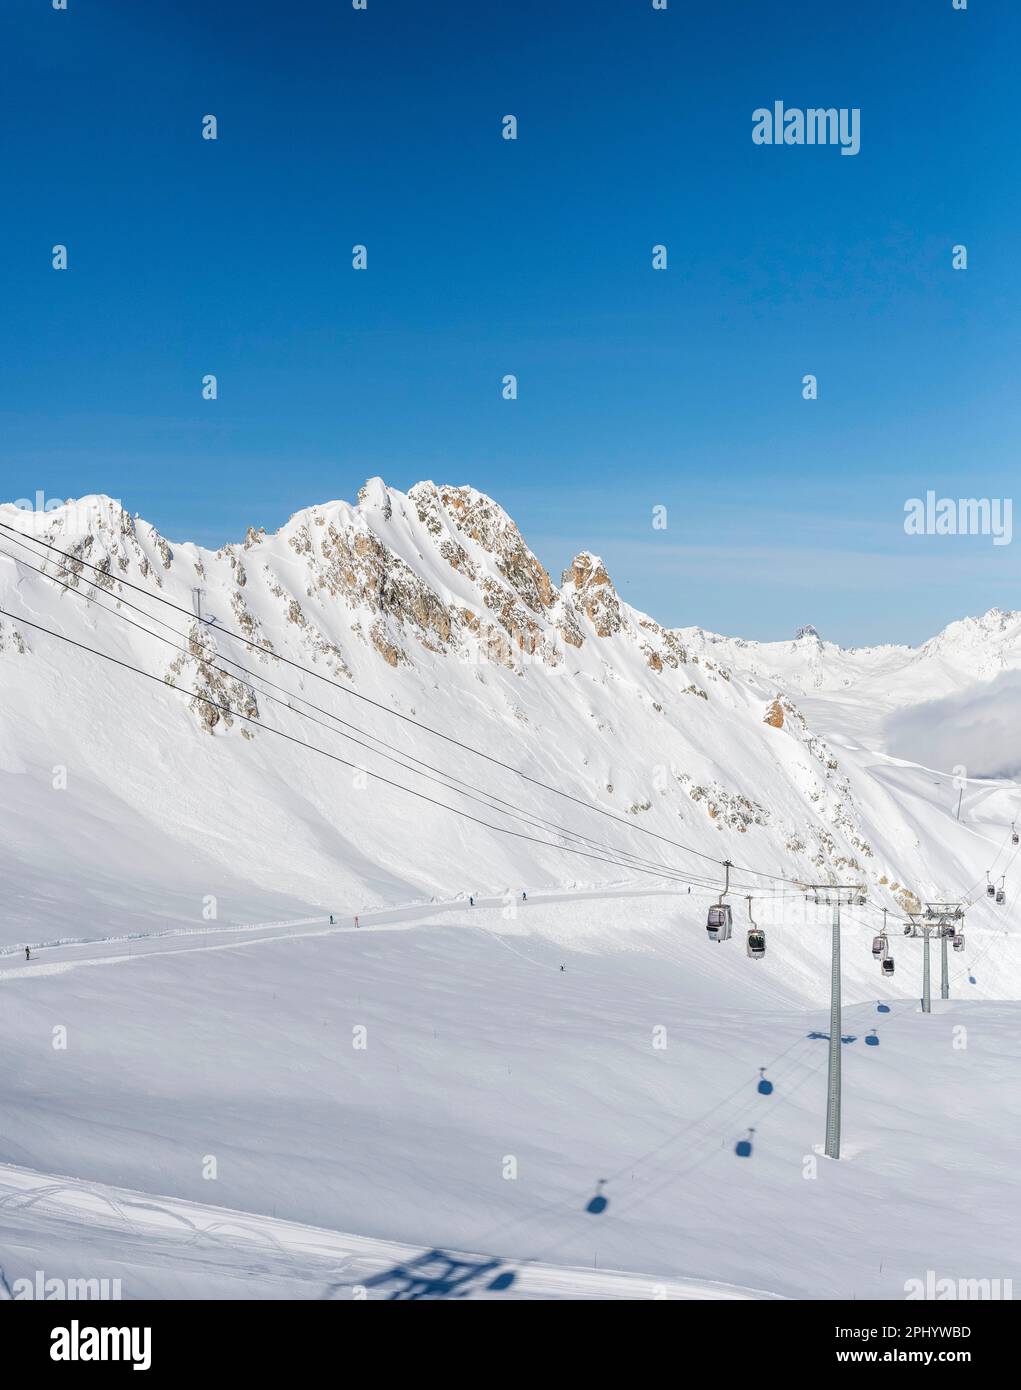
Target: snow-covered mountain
129,802
265,1047
883,678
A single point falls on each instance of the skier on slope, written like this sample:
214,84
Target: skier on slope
524,896
28,953
356,921
471,902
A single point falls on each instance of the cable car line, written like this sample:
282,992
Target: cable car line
443,779
334,757
19,538
426,728
493,804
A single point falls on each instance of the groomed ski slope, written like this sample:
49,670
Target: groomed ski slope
484,1058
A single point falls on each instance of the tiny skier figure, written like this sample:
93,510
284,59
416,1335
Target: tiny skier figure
561,967
524,897
356,921
28,953
331,919
471,902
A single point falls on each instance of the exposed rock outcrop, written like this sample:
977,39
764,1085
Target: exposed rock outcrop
592,593
774,714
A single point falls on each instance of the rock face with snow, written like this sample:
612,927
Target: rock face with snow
429,608
774,714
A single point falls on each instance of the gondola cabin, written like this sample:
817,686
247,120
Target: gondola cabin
888,965
756,943
719,922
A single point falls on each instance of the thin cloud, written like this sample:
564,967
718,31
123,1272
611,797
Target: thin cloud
978,729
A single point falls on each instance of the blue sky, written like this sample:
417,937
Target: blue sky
636,388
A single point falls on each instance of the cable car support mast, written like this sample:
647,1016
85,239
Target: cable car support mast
835,896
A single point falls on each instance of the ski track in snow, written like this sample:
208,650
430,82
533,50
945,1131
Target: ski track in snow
251,1059
308,1261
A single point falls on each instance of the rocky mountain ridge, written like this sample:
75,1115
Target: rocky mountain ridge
428,607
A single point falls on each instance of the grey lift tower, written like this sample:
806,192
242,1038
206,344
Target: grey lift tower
834,896
941,919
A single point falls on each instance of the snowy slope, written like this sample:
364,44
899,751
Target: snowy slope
173,852
630,1075
432,605
160,1247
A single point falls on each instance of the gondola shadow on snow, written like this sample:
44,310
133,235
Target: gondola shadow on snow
598,1204
436,1274
845,1037
743,1147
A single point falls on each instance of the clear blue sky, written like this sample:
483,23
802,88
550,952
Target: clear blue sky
637,388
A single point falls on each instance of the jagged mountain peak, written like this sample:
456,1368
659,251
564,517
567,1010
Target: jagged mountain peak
374,496
587,571
587,584
480,546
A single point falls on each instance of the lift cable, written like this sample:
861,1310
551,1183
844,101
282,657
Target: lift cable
334,757
443,778
426,728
